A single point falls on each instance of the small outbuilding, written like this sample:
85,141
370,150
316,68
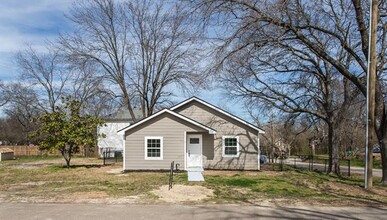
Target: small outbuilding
6,154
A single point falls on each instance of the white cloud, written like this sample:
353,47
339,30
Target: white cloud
28,22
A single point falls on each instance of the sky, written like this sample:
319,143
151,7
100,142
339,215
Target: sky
36,22
24,22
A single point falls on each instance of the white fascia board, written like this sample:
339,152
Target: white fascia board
219,110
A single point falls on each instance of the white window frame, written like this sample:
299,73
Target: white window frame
146,138
224,147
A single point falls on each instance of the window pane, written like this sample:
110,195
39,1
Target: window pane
153,152
194,140
230,151
153,147
228,142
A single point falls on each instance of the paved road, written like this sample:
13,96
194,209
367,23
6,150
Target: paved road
161,212
321,167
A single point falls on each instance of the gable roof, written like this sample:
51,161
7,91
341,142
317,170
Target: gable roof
218,110
6,150
123,115
210,130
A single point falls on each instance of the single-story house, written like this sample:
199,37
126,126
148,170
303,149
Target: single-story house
113,140
6,154
196,135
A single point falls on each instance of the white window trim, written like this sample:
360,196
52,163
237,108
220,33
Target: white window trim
224,147
146,146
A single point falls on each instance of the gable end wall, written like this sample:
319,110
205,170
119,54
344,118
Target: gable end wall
171,128
224,126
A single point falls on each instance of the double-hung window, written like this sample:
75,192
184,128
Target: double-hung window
230,146
153,148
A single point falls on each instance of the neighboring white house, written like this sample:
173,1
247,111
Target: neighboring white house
113,141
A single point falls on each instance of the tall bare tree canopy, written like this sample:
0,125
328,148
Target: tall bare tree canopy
294,81
147,48
3,97
335,31
44,72
51,77
20,110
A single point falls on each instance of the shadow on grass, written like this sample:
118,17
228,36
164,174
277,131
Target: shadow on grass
87,166
64,167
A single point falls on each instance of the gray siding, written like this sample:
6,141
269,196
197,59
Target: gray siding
212,144
172,130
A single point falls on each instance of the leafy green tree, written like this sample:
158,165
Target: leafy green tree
66,129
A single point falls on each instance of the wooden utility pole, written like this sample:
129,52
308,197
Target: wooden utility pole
371,81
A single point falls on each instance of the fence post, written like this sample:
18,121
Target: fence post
171,176
312,162
104,157
295,166
282,163
325,165
349,167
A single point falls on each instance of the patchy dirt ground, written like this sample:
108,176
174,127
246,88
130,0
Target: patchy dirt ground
47,162
40,180
183,193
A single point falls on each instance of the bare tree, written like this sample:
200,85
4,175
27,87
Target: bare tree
3,96
88,87
309,24
20,112
145,47
166,52
101,37
299,84
353,140
52,77
46,73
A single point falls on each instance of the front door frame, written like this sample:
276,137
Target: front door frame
187,136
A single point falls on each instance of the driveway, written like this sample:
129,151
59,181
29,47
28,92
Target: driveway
160,212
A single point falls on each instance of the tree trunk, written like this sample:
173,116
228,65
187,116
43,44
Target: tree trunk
68,162
381,127
127,103
330,146
313,147
67,153
336,160
383,153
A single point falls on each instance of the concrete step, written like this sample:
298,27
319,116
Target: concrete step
195,176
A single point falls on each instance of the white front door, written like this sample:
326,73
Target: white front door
194,150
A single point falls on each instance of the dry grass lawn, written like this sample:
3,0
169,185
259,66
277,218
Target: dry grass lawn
35,179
